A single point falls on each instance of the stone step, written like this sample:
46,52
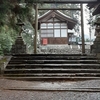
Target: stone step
52,57
52,66
52,61
18,55
53,74
16,71
52,78
61,66
45,58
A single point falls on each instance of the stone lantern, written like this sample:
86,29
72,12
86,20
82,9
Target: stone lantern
95,48
19,47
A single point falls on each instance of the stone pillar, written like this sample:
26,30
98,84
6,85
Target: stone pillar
95,48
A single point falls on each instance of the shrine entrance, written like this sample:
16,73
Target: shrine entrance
81,2
54,67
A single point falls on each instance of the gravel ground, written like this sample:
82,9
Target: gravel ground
63,49
48,95
38,95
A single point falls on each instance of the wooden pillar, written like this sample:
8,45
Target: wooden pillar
82,29
36,29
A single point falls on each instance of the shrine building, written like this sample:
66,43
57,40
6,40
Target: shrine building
55,27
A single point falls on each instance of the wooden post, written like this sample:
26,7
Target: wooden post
82,29
36,29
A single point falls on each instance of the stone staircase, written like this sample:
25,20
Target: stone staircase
52,66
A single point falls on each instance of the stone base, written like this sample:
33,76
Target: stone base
98,56
19,47
95,48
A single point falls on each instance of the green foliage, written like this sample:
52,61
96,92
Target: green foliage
55,5
41,12
10,10
5,43
28,36
7,37
4,9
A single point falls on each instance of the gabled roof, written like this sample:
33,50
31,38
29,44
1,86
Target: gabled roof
59,15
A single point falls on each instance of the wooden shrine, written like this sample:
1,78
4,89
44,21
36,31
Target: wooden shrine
54,27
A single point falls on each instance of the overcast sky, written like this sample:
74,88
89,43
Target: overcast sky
86,26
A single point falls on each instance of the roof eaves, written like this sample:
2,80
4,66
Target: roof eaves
68,17
44,14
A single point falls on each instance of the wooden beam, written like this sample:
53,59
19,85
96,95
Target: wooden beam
61,1
82,29
69,1
36,28
59,9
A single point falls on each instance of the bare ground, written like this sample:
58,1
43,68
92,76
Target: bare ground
43,90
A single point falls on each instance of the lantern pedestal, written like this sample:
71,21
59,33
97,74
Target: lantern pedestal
95,48
19,47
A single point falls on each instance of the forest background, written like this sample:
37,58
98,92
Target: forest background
12,10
